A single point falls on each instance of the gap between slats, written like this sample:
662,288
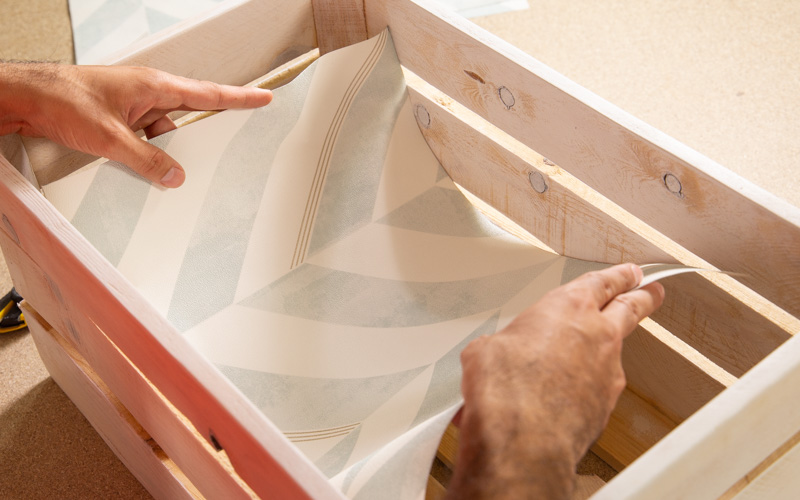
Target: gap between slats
554,174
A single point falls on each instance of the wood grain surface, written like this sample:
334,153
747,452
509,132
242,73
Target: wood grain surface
711,211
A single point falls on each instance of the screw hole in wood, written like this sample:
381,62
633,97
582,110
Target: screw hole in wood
537,181
673,185
507,97
423,117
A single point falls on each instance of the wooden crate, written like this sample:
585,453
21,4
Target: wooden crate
708,411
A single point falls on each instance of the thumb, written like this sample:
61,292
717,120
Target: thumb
147,160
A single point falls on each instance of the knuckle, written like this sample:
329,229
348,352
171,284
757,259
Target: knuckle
154,165
633,307
577,297
475,346
570,290
477,353
212,89
148,78
112,136
468,352
609,334
601,281
619,383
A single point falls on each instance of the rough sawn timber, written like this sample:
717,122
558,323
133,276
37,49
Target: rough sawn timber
715,213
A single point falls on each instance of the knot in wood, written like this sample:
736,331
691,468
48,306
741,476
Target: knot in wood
54,289
475,76
73,332
214,442
10,229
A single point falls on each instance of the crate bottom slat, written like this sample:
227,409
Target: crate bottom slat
120,431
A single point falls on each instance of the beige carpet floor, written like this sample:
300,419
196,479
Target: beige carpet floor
722,76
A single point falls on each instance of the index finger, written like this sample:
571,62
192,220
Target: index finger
606,284
203,95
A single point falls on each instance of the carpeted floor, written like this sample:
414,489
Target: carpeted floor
721,76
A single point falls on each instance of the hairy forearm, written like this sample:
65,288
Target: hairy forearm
21,87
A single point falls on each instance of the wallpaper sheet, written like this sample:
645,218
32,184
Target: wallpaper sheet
322,259
102,27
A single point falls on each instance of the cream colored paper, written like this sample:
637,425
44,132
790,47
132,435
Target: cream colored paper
323,260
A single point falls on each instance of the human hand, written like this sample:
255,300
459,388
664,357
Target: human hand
97,109
539,392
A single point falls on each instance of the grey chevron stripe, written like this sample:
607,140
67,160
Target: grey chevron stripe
323,163
211,267
444,388
352,183
342,298
121,203
334,460
442,211
103,22
305,402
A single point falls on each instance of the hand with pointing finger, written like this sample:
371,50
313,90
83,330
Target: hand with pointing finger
539,392
97,109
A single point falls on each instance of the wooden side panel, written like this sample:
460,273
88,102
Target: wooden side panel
710,211
725,330
633,428
434,490
339,23
666,376
572,219
91,293
114,424
448,447
585,486
779,482
718,445
769,478
565,216
179,439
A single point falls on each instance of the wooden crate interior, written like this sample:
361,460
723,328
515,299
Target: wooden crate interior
529,145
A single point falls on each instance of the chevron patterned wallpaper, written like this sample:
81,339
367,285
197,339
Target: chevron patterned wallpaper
322,259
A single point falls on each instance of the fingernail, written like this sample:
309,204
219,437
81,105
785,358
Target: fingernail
637,273
173,178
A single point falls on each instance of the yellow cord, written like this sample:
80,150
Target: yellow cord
15,327
6,309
